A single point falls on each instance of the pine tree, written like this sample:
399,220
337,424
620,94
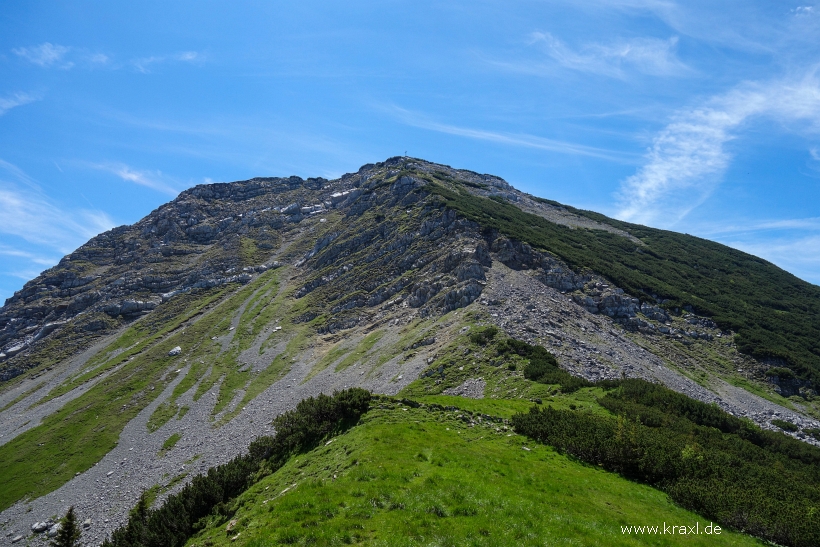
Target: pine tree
137,529
69,533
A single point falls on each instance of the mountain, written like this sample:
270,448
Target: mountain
158,350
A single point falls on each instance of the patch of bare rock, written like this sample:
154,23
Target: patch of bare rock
472,388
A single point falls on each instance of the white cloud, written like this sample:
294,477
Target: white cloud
15,100
35,219
815,154
49,55
143,64
98,59
646,55
739,228
154,180
688,157
18,175
45,55
187,56
42,260
414,119
31,216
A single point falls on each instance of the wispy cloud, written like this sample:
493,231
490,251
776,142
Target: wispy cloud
98,58
154,180
14,100
414,119
48,55
45,55
42,260
688,157
144,64
737,228
645,55
30,215
17,175
36,219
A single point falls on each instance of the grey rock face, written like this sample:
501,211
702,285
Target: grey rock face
196,242
791,386
129,307
611,304
218,234
122,274
654,312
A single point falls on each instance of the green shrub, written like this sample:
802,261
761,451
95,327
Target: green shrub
542,367
297,431
69,533
813,432
780,372
784,425
483,336
708,461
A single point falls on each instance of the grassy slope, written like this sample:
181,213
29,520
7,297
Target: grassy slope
775,314
75,437
419,476
409,476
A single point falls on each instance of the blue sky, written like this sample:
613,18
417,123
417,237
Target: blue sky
686,116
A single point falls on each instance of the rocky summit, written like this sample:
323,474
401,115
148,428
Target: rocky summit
158,350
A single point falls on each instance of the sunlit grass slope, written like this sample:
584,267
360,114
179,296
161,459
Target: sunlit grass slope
424,476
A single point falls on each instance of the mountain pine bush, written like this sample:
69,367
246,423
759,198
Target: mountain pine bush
297,431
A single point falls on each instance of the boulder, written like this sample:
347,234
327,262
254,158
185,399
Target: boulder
54,530
48,328
39,527
11,352
129,307
176,351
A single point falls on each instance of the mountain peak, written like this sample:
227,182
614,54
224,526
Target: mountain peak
236,300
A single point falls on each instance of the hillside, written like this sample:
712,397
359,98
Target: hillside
775,314
159,350
352,469
410,476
